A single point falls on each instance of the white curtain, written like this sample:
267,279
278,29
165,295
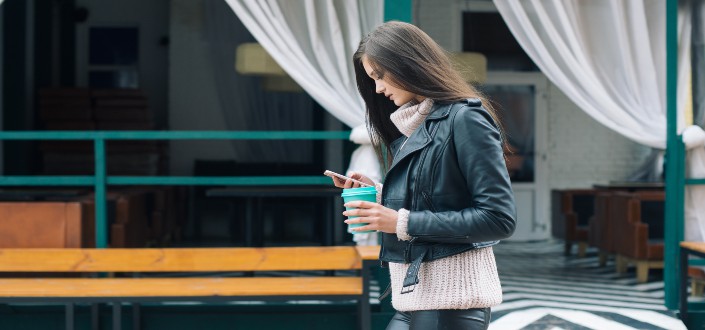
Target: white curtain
694,140
313,41
608,56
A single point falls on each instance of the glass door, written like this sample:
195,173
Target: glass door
520,103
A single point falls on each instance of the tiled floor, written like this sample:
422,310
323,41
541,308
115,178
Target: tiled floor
543,289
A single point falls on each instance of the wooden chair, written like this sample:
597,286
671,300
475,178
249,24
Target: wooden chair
697,281
601,227
638,239
577,207
46,225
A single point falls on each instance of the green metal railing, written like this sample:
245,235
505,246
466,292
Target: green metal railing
675,166
100,180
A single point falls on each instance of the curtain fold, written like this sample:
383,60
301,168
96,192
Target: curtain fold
313,41
245,104
608,56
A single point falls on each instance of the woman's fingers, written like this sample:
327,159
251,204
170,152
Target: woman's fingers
337,182
361,177
362,204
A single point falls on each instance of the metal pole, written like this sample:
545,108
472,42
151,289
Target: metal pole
675,181
101,216
397,10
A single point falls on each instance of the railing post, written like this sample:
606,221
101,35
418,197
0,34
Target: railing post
101,215
397,10
675,171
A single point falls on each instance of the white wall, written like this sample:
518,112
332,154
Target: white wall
582,151
193,100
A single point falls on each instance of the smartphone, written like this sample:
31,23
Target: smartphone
343,177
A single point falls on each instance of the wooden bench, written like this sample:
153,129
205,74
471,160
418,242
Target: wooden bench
114,290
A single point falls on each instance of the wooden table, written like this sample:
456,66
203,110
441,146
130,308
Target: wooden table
687,249
630,185
39,194
254,195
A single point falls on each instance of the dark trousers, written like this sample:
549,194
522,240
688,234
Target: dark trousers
446,319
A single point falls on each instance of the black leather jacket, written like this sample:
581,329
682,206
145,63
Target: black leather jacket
451,175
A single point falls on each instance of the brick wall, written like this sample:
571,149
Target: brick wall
582,151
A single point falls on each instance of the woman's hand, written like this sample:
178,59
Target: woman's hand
340,183
376,216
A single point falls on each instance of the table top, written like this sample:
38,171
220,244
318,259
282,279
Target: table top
275,191
37,195
368,252
629,185
694,246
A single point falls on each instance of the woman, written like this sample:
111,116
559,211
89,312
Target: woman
446,198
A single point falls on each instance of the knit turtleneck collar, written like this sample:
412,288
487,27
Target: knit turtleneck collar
410,115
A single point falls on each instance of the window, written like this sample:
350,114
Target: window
486,33
113,54
515,105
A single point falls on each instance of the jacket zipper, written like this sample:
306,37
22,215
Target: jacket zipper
427,199
407,251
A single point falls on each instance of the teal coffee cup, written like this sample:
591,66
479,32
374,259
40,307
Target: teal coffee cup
368,194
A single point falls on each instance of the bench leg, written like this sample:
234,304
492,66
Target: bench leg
95,316
568,247
621,264
136,316
117,317
582,249
603,259
364,303
642,271
70,313
682,287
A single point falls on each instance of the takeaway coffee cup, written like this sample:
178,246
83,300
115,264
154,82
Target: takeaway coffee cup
368,194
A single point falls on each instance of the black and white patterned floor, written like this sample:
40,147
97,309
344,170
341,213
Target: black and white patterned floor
543,289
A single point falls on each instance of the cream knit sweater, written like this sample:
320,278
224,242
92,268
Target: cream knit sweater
462,281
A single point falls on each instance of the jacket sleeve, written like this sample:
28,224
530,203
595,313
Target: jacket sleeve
491,212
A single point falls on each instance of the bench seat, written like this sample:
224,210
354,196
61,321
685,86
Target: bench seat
179,287
304,280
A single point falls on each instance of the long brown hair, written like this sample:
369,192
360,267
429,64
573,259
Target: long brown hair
408,58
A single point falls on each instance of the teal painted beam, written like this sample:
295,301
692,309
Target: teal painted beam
101,208
696,262
26,180
221,181
175,135
675,176
88,181
694,181
397,10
